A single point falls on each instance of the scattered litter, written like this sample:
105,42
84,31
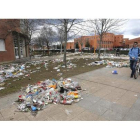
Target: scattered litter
114,72
2,88
111,64
59,74
2,84
68,111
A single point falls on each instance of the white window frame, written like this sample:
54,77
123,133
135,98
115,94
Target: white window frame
2,45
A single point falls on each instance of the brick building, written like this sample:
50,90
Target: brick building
118,41
12,40
70,45
131,42
126,42
109,41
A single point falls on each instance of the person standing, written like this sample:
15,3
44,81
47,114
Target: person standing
133,54
118,52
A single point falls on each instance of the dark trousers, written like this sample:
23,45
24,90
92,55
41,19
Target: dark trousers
133,66
117,54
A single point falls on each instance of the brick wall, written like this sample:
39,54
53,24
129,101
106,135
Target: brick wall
118,41
6,28
8,25
70,45
131,42
8,55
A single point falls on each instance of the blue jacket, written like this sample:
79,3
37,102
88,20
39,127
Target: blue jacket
134,52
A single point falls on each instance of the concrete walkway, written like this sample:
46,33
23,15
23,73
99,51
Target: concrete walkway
107,97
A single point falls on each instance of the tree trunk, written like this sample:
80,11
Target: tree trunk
104,51
43,51
99,47
65,45
61,47
81,48
48,47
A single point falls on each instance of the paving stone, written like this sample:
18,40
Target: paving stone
1,117
112,116
101,93
102,119
76,119
91,98
94,88
97,109
132,115
72,110
125,86
53,110
116,83
113,96
136,105
128,99
7,101
87,116
41,116
105,103
49,119
18,116
9,111
85,103
135,88
62,116
84,94
122,110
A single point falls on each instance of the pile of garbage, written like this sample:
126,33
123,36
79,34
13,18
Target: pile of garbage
102,62
37,97
111,64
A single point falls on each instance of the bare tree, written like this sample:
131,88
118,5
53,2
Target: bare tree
103,26
70,29
61,37
46,37
38,41
30,27
48,34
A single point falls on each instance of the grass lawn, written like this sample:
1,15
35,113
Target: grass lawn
15,84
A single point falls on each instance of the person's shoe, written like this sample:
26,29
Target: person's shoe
131,76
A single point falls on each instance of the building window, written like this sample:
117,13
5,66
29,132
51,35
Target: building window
2,45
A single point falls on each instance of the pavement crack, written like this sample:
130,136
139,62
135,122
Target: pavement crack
1,115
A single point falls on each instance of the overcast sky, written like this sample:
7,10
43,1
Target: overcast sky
131,29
